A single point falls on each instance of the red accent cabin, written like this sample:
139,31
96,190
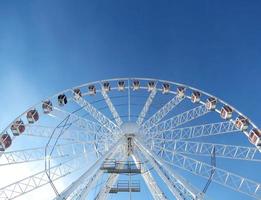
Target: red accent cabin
18,128
32,116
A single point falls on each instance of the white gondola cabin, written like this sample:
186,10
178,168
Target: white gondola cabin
151,85
77,93
165,88
195,97
47,107
226,112
32,116
106,86
5,141
18,127
242,123
62,99
121,85
211,103
136,85
181,92
255,137
92,89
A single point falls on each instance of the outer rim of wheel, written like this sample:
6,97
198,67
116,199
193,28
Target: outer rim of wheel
190,88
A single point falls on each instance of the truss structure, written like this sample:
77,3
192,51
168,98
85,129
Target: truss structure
171,138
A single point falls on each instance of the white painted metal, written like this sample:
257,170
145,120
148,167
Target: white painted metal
206,149
37,154
94,168
101,118
163,137
180,188
146,107
223,177
161,113
114,112
104,192
152,185
204,130
177,120
38,180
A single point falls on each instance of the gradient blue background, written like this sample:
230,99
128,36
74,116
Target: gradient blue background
48,46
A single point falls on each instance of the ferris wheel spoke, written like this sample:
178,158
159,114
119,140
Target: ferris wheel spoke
73,134
161,113
207,149
104,191
101,118
178,186
94,169
177,120
39,179
69,131
77,121
220,176
37,154
83,190
152,185
197,131
113,110
146,107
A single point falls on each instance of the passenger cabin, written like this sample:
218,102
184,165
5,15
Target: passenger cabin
255,137
136,85
195,97
106,86
77,93
121,85
211,103
226,112
5,141
165,88
18,128
32,116
47,107
181,92
62,99
242,123
151,85
92,89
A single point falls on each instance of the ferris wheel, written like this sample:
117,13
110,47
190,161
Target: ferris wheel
131,138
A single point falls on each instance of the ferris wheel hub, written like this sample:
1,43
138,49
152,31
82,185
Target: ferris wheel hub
130,128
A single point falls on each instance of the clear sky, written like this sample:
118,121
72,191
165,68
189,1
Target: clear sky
47,46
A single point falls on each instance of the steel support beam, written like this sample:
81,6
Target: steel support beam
161,113
113,110
191,132
82,179
152,185
146,107
38,180
177,185
101,118
206,149
220,176
104,192
177,120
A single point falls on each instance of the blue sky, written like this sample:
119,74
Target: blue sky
48,46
